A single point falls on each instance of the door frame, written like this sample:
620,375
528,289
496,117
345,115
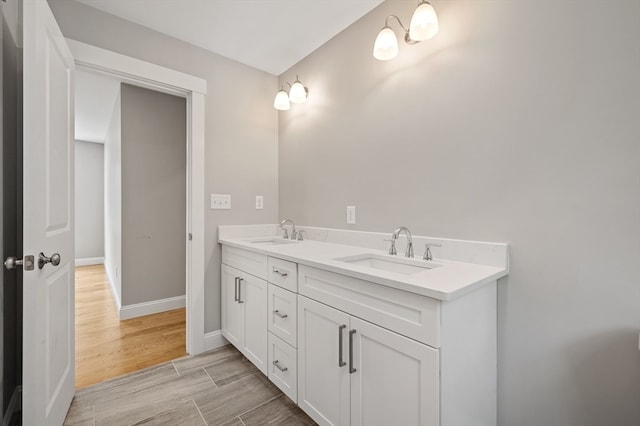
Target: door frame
193,89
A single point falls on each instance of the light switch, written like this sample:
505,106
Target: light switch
220,202
259,202
351,215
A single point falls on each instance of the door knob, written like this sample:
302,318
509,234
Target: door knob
43,260
13,262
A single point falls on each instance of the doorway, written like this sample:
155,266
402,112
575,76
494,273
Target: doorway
130,226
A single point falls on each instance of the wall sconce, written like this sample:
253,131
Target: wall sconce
297,94
423,26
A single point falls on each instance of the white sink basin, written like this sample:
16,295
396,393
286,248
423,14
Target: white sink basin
395,264
272,241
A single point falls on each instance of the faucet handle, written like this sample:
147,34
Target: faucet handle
427,250
286,234
300,237
392,248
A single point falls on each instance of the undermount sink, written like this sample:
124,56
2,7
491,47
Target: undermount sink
398,265
272,241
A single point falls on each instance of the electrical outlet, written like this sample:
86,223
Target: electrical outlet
220,202
259,202
351,215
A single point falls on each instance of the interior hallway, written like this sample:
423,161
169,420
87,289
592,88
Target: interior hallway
107,347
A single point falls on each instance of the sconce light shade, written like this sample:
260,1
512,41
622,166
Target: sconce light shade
298,93
386,45
281,101
424,22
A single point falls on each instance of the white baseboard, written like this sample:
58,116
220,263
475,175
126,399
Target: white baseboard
112,284
90,261
214,340
153,307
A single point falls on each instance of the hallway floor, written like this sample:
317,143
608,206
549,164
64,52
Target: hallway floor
107,347
219,387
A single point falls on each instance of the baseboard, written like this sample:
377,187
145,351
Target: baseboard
214,340
153,307
112,284
90,261
14,408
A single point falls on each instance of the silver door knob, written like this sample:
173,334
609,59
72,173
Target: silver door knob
12,262
43,260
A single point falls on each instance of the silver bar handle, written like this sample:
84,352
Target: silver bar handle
279,314
235,289
351,369
277,271
240,290
341,362
279,367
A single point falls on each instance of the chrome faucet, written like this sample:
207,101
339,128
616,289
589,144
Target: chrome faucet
394,238
293,229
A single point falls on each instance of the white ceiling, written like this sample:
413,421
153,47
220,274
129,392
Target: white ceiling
271,35
95,99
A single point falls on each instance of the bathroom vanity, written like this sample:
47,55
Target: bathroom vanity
356,336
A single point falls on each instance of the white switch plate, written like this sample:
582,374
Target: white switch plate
220,202
259,202
351,215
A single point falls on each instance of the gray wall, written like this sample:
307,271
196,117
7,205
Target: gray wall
241,133
113,201
154,183
519,122
89,198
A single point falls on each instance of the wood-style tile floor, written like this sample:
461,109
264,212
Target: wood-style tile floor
220,387
107,347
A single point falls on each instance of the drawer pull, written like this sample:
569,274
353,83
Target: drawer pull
277,271
240,290
281,315
341,362
279,367
235,288
351,369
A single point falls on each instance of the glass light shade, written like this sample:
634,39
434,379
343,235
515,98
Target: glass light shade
424,23
386,45
297,94
281,101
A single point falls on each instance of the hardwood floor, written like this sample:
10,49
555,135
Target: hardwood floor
220,387
107,347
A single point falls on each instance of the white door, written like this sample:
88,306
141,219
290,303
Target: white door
252,293
232,311
385,363
323,370
48,323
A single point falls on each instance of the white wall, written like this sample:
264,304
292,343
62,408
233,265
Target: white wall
519,122
241,131
113,202
89,196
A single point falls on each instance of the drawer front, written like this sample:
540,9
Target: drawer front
283,366
247,261
409,314
283,273
283,314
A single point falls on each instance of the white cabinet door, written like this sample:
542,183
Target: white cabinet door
396,379
323,376
252,294
232,311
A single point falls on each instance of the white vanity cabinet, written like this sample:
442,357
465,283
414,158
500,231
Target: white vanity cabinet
244,306
354,372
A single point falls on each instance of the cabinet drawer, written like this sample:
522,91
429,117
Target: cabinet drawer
283,363
247,261
283,273
409,314
283,314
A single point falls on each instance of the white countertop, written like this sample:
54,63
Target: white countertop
446,281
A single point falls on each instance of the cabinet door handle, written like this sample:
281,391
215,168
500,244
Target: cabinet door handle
351,369
240,290
279,367
341,362
235,289
281,315
277,271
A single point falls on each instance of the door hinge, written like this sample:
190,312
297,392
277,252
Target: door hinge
190,236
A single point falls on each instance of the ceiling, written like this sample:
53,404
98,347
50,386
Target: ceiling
271,35
95,99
